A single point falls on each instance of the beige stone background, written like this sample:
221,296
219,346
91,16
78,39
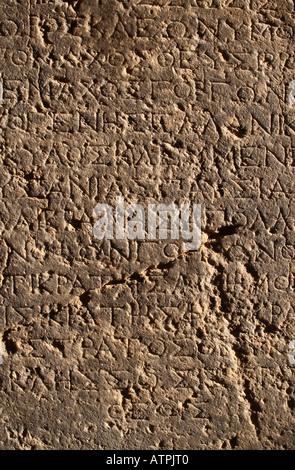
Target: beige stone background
135,344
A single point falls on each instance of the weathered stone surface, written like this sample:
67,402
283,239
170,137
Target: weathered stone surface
126,344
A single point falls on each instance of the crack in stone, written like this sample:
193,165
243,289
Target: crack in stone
213,237
221,233
254,407
141,276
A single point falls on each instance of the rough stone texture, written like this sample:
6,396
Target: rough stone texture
135,344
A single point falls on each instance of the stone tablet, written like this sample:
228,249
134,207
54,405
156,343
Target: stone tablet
147,224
